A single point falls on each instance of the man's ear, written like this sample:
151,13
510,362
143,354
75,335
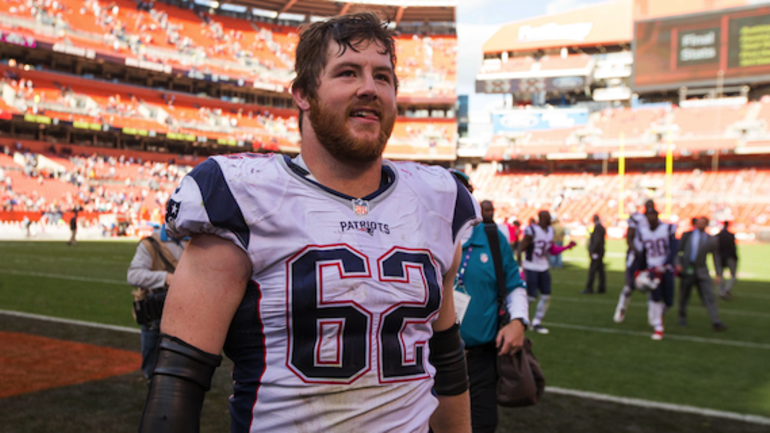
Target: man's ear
300,98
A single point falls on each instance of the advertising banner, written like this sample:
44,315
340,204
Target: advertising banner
533,120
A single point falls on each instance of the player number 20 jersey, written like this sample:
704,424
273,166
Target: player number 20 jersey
332,332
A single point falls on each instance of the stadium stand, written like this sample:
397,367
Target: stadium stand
740,196
107,104
689,129
194,41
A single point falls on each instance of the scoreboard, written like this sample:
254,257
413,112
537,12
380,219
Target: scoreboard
700,49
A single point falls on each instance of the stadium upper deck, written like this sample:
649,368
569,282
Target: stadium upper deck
231,51
733,127
581,55
195,42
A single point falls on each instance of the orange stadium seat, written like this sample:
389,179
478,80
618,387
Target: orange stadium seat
700,121
576,197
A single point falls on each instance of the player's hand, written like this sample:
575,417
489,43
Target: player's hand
717,280
571,244
510,338
169,278
678,269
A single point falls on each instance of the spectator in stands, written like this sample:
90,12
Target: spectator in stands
693,270
151,271
729,255
596,252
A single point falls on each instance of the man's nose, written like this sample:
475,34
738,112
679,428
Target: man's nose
368,88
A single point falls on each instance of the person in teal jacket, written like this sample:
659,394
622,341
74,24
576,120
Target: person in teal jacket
479,329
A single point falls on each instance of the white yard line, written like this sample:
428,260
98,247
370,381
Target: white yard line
63,277
70,321
755,419
588,300
718,341
552,389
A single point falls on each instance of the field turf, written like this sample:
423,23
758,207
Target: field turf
585,350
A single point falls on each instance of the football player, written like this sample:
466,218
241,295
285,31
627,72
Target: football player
659,246
634,259
326,278
538,244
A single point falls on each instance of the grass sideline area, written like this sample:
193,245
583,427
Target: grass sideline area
585,350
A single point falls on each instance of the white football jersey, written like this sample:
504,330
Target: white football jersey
332,333
656,243
636,221
536,255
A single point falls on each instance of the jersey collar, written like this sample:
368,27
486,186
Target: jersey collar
478,237
298,167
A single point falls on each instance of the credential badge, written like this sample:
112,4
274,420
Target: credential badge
360,206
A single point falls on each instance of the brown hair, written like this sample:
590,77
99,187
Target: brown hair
352,31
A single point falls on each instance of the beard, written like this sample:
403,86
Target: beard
330,125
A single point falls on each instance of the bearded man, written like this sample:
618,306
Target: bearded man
326,278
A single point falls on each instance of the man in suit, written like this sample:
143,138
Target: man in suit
729,255
693,270
596,251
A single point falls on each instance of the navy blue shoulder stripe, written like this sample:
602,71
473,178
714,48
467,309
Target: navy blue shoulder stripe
221,207
464,210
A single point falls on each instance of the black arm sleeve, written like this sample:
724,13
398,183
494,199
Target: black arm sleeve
447,354
178,384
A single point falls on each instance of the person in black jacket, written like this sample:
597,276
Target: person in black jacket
729,256
596,251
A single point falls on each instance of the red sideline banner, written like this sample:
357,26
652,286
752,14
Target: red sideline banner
35,216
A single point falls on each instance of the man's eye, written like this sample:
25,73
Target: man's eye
347,74
383,77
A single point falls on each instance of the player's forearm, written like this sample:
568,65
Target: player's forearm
453,414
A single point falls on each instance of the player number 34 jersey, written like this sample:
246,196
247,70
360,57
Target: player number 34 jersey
332,334
536,255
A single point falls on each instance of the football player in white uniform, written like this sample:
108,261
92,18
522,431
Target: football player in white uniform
659,246
634,259
326,278
537,245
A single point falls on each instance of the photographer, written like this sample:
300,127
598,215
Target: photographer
151,271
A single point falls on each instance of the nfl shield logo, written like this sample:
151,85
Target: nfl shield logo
360,206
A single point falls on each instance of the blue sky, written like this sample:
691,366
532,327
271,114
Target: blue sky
477,21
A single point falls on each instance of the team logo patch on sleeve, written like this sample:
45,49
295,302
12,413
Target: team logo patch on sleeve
172,211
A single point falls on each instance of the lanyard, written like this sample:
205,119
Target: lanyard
461,272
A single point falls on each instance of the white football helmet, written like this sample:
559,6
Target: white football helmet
647,280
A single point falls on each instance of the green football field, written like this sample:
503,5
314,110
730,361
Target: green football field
584,351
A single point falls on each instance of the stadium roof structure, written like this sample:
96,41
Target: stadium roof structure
396,10
602,24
